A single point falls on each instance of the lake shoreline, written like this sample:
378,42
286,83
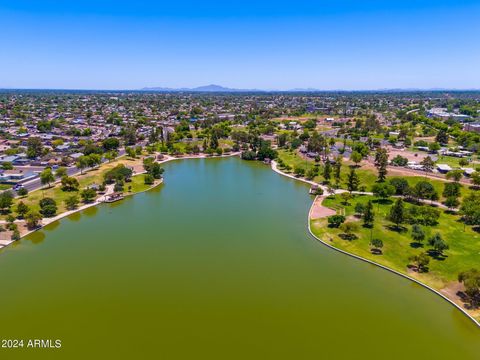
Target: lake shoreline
309,218
48,221
275,169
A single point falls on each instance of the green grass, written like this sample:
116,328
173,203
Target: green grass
367,177
94,176
463,254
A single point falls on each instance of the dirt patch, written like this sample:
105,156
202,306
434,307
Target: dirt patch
319,211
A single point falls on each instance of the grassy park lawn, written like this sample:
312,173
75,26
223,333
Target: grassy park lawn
367,176
94,176
398,246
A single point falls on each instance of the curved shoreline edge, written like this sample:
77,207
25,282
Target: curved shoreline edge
405,276
275,169
97,202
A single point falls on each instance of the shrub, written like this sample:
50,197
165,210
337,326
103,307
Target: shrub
148,180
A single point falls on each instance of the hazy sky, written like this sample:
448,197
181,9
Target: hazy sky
344,44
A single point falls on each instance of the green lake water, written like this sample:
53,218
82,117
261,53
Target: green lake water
216,263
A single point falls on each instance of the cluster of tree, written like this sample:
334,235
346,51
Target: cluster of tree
118,173
153,169
366,212
471,281
88,161
261,152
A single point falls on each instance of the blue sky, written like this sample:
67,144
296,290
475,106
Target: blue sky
343,44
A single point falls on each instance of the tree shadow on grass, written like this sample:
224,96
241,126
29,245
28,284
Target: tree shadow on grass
476,229
399,229
437,255
416,245
348,237
383,201
418,269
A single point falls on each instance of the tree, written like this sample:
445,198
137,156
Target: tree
452,202
110,144
356,157
311,173
470,209
368,215
48,207
148,180
6,200
71,202
299,171
456,175
69,183
451,189
399,161
46,177
337,168
381,162
111,155
425,215
397,213
438,244
130,135
32,218
475,178
348,229
434,147
88,195
417,233
442,137
22,209
23,191
400,184
383,190
327,171
359,208
82,163
7,165
61,172
425,190
94,160
265,151
15,235
153,168
428,164
346,197
281,139
248,155
376,245
471,281
352,181
34,147
119,172
421,261
335,220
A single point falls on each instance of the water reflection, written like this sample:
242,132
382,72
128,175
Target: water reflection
36,238
91,211
52,226
75,216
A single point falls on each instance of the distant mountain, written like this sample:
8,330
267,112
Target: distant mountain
206,88
221,89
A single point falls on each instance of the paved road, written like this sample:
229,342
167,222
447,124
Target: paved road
73,170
